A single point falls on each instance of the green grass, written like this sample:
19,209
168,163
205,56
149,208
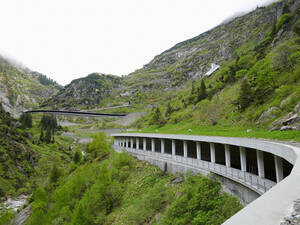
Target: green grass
183,128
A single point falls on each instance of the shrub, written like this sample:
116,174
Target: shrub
285,18
99,145
246,61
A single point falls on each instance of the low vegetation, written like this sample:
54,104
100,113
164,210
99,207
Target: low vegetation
115,188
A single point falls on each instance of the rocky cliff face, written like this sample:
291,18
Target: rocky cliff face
85,91
22,89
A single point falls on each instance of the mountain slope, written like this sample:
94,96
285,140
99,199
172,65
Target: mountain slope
22,89
258,86
191,59
17,159
87,91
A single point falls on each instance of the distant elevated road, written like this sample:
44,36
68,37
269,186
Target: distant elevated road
77,113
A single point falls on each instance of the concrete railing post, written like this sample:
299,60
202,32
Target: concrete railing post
173,147
278,168
152,145
227,156
212,153
144,144
127,142
185,149
137,143
260,163
162,143
198,146
243,159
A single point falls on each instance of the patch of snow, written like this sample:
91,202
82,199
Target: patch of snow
213,68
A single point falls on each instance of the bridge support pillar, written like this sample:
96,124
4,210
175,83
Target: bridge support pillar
173,147
227,156
153,145
212,153
122,142
131,143
137,143
127,141
162,144
260,163
185,149
198,148
144,144
243,159
278,168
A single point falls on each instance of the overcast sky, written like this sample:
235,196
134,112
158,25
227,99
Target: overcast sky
67,39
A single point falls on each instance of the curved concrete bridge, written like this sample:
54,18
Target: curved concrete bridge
268,168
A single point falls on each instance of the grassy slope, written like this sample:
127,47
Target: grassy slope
229,131
118,189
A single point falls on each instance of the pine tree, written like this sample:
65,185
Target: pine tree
54,174
244,99
42,136
48,136
201,92
169,110
192,96
77,157
157,117
26,120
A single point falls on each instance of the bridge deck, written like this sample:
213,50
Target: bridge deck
77,113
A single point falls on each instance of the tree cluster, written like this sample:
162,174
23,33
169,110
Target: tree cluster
48,125
26,120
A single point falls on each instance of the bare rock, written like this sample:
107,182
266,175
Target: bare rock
284,128
294,217
267,115
292,120
297,108
177,180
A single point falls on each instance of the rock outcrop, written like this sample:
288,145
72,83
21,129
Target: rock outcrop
22,89
294,217
290,121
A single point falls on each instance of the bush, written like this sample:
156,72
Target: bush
99,145
246,61
285,18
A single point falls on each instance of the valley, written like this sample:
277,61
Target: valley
238,79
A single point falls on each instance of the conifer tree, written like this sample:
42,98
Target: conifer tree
77,157
42,136
48,136
26,120
169,110
54,174
244,99
201,91
157,117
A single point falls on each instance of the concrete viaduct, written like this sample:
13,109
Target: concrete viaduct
76,113
269,170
